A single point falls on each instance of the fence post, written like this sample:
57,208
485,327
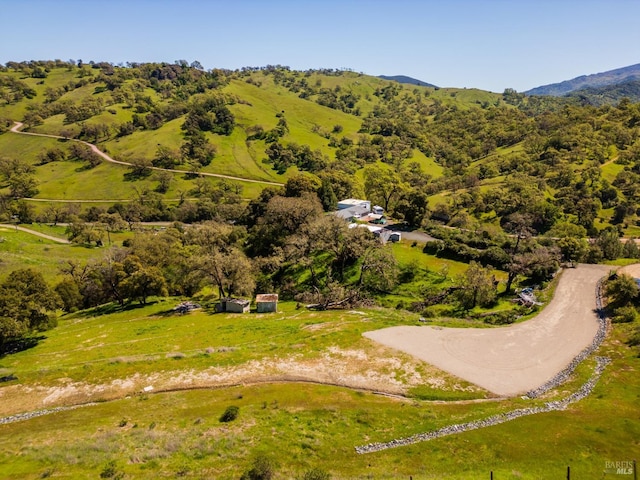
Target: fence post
635,471
568,473
491,474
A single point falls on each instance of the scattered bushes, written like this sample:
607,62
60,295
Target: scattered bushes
261,469
230,414
504,317
315,474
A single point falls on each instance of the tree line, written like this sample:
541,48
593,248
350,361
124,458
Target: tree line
284,244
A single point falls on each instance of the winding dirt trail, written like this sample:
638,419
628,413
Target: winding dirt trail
33,232
511,360
18,125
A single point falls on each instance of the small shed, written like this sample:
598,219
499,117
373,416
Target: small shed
267,302
235,305
238,305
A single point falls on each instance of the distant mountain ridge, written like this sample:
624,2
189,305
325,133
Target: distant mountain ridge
603,79
609,95
405,79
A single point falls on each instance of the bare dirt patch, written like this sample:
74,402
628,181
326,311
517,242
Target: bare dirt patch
511,360
374,368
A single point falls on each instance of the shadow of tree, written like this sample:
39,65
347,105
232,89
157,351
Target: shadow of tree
134,176
19,345
110,308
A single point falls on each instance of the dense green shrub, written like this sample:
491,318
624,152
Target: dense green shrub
624,315
111,471
504,317
315,474
261,469
230,414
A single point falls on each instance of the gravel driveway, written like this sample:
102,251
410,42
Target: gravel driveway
511,360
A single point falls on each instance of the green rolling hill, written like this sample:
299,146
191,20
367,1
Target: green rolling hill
269,125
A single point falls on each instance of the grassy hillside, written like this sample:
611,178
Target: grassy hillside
297,426
269,124
253,106
20,250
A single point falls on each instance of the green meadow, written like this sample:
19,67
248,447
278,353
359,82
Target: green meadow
298,426
201,363
23,250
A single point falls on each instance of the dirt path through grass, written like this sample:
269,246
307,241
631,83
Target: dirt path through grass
39,234
18,125
511,360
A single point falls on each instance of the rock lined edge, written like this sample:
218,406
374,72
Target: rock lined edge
564,374
39,413
581,393
557,380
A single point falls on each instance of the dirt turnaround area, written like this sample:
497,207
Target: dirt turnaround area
511,360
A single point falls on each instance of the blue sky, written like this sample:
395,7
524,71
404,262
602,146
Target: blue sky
491,44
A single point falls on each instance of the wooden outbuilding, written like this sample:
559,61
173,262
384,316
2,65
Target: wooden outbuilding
235,305
267,302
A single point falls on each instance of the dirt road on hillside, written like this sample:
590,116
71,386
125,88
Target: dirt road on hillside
38,234
18,125
515,359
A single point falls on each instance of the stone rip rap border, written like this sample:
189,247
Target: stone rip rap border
564,374
39,413
581,393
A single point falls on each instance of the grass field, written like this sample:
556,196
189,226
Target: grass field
610,170
109,355
297,425
23,250
25,147
93,348
72,180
